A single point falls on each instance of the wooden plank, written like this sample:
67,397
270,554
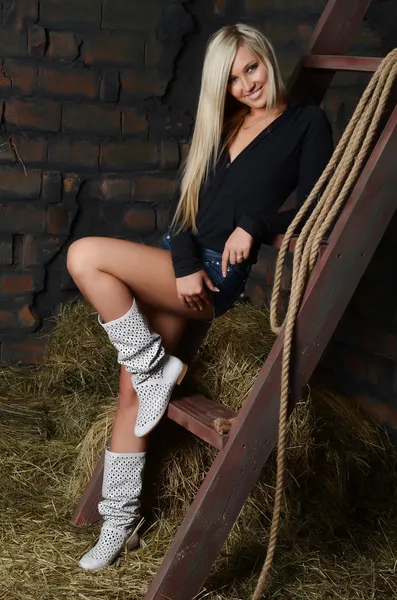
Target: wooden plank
341,63
254,434
337,26
87,510
277,241
198,414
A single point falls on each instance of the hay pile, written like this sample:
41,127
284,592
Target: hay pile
339,534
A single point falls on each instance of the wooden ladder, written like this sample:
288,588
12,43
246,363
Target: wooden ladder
243,453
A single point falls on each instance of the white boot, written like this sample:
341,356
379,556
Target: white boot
154,373
121,489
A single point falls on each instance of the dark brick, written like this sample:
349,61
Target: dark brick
21,76
66,281
142,84
44,115
13,43
31,148
163,216
259,7
113,49
5,81
52,187
91,119
169,154
30,351
58,220
154,54
8,319
25,317
109,188
110,86
22,217
73,154
6,153
153,187
361,333
13,283
71,184
129,156
40,249
69,83
75,16
132,16
15,184
287,62
20,317
36,41
6,249
176,22
288,31
219,7
134,122
140,219
21,12
63,46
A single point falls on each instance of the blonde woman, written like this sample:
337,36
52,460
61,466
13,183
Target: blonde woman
250,149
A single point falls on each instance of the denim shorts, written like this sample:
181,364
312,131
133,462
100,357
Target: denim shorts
230,287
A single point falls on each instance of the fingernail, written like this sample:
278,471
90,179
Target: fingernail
224,274
216,289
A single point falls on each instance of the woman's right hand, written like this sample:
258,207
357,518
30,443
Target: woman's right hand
192,290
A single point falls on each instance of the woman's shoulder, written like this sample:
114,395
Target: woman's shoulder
308,112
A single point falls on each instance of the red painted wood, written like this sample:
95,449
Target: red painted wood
254,434
87,510
277,241
341,63
197,414
337,26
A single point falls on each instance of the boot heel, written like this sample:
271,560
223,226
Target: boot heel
182,375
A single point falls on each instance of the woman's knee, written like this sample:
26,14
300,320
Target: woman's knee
82,256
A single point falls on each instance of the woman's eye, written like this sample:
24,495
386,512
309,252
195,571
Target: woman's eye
252,68
232,80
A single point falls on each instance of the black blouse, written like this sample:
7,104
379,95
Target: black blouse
289,154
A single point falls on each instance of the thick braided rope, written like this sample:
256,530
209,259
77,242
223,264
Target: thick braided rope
332,189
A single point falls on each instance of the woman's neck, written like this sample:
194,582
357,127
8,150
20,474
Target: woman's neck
256,113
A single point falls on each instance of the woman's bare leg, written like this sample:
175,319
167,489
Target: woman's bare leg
110,273
171,328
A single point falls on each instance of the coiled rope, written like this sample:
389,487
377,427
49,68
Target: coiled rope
332,189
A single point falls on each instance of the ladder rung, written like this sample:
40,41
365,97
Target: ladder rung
341,63
197,414
277,241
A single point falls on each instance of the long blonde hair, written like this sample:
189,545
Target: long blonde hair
219,113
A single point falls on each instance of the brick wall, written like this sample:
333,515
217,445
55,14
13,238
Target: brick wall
97,100
87,145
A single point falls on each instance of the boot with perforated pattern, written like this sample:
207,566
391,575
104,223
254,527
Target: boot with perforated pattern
119,507
154,373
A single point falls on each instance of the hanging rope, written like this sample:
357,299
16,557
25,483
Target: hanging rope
332,189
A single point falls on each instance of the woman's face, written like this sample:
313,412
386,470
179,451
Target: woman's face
248,79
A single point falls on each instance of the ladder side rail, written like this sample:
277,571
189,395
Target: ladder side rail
236,468
337,26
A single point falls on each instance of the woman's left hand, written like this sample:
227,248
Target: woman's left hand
237,248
